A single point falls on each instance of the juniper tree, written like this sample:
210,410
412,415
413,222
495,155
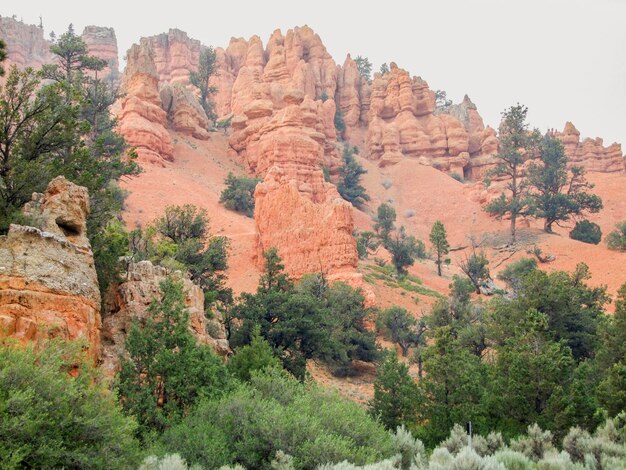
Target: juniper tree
556,193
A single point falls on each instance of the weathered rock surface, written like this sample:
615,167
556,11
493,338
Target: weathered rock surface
102,43
403,122
590,153
142,119
284,131
130,301
184,112
48,282
26,46
175,55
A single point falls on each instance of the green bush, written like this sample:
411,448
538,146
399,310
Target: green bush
49,419
239,194
616,240
586,232
275,412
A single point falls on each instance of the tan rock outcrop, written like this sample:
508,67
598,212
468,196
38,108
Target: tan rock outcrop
48,282
130,301
591,154
142,119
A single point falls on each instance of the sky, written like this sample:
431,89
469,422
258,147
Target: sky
564,59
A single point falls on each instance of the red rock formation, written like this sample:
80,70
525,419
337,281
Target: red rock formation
353,95
286,135
131,300
48,282
184,112
142,119
590,153
175,55
102,43
26,46
403,122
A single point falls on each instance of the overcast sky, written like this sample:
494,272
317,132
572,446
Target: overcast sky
564,59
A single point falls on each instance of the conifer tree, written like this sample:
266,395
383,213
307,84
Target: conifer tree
440,243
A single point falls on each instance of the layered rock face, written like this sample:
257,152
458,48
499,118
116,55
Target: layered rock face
285,133
158,96
131,300
175,55
353,96
142,119
403,123
48,282
102,43
26,46
591,154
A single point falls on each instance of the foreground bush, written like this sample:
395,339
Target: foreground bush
275,412
49,419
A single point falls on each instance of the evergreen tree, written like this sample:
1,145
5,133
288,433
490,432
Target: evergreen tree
454,386
239,194
517,145
616,240
3,55
475,268
385,223
255,356
364,66
397,398
349,185
440,243
200,79
166,371
557,195
401,328
404,249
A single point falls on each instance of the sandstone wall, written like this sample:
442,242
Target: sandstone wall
590,153
48,282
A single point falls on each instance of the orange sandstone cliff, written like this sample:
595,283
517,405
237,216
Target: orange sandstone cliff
48,282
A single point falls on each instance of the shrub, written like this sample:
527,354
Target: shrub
275,412
457,177
586,232
515,273
49,419
239,194
349,185
616,240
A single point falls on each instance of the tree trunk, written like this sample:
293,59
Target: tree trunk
513,219
439,263
547,226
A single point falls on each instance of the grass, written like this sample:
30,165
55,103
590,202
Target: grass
409,283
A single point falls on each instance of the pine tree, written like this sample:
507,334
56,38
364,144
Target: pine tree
517,145
440,243
397,398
